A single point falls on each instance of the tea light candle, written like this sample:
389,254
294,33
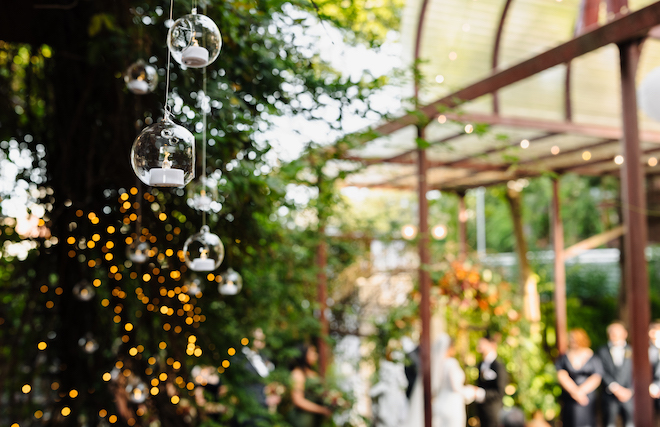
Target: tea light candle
139,87
229,289
195,55
203,263
166,176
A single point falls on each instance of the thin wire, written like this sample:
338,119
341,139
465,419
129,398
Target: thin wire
204,106
169,60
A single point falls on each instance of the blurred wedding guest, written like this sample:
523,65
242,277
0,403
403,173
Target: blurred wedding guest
579,372
390,405
256,369
616,358
306,390
491,383
448,386
513,417
654,360
538,420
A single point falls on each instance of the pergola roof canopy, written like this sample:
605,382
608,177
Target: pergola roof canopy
579,132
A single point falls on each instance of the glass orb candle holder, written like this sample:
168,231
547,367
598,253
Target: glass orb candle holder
231,282
203,251
203,196
194,40
141,78
163,155
136,390
88,344
84,290
138,252
194,285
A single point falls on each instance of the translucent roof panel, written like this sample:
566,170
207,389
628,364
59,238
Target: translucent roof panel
456,51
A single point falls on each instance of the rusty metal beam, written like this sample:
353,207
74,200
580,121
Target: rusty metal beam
423,243
496,49
627,27
633,207
561,322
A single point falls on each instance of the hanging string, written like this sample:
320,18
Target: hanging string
169,60
205,105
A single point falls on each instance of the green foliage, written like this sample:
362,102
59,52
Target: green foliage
477,300
65,109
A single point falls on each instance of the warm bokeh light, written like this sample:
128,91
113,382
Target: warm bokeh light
554,150
409,232
524,143
653,161
469,128
618,160
439,232
26,388
586,156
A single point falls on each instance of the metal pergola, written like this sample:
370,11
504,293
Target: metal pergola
457,159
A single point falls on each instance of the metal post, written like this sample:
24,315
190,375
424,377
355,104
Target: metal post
462,227
424,280
634,218
560,270
481,221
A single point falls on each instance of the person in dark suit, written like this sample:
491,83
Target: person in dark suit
254,369
616,358
493,378
654,359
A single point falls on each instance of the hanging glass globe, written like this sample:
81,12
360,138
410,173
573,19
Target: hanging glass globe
141,78
203,195
194,40
138,252
163,155
231,282
648,94
194,285
84,290
88,344
136,390
203,251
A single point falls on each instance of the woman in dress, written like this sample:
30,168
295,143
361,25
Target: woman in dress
306,391
448,386
579,373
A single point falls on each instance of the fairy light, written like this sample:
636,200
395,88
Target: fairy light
469,128
586,156
653,161
524,143
554,150
618,160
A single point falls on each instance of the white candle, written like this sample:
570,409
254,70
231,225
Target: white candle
229,289
166,177
195,56
139,87
202,264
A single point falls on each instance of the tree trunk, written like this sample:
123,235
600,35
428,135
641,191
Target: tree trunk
531,301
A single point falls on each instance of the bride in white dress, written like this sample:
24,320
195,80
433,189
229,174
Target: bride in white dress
447,386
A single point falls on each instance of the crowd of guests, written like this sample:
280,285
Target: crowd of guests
581,371
303,408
